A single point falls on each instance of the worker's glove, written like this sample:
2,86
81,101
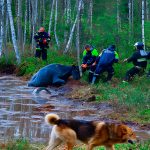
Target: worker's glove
84,65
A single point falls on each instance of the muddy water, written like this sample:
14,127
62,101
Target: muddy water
22,112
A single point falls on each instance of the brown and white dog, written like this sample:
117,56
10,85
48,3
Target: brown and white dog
92,133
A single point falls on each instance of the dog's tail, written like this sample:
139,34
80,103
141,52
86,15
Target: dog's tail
52,119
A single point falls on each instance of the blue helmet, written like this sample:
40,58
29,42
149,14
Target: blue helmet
139,45
112,47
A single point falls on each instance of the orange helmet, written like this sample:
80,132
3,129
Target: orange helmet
42,29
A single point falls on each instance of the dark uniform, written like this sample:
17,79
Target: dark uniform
139,60
104,63
42,39
89,56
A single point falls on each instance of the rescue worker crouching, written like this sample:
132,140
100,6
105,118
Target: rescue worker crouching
89,56
104,63
139,60
42,39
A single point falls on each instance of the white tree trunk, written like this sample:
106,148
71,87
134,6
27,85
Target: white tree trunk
143,17
51,16
73,27
19,27
1,25
6,28
68,11
29,8
78,43
34,18
67,16
13,31
25,27
55,25
130,19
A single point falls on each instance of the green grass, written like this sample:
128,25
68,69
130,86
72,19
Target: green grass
23,144
131,98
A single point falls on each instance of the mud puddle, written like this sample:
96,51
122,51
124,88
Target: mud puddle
22,112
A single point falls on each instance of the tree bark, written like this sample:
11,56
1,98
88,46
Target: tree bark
51,16
25,27
19,26
143,17
1,25
13,31
130,21
34,4
55,25
73,27
78,42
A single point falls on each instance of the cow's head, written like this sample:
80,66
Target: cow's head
75,72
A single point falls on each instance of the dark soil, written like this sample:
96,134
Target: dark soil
7,69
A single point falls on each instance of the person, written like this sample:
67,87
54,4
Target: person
139,60
104,63
42,39
89,56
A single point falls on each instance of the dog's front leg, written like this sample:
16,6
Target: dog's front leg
110,147
89,147
53,144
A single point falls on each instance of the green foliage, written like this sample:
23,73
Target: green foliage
23,144
20,144
138,146
30,65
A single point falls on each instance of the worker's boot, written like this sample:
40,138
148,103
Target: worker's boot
90,77
95,76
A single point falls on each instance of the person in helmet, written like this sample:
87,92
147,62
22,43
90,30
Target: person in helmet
139,60
89,56
42,39
104,63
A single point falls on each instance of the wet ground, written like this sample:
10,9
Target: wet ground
22,111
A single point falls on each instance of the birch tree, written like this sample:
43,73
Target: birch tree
73,27
6,29
130,21
13,31
19,26
34,4
1,24
51,16
78,42
67,18
55,25
143,17
25,26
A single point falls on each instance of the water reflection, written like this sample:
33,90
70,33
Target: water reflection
22,113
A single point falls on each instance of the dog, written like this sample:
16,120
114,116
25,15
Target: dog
92,133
